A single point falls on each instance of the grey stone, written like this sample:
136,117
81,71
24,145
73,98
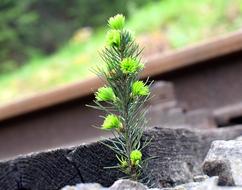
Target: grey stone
201,118
187,186
175,116
122,184
85,186
165,109
169,117
162,93
228,114
208,184
180,153
127,185
224,159
200,178
224,188
239,138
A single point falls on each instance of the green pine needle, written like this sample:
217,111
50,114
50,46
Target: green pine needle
125,97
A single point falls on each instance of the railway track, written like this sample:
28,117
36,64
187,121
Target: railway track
202,88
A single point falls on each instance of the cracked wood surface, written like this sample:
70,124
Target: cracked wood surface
179,152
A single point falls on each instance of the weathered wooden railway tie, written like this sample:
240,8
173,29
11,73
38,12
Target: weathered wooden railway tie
180,153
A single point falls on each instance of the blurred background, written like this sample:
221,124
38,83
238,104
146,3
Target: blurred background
48,47
48,43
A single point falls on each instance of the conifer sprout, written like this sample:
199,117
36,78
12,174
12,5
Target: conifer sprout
123,98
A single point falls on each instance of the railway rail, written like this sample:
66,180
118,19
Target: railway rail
206,76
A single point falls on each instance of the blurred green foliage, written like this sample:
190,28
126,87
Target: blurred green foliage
16,24
28,27
180,22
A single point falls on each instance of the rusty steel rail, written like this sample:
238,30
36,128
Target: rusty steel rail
156,65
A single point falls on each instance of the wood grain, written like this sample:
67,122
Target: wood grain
155,65
179,155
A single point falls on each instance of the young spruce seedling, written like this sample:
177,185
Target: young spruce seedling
123,98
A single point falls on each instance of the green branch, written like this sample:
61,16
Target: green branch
125,96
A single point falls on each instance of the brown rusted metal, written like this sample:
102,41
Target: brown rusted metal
157,65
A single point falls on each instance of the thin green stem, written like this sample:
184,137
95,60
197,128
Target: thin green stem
126,105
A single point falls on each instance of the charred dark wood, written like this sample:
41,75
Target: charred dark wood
9,177
42,171
92,160
179,152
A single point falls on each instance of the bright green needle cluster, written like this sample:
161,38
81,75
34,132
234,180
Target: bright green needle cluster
140,89
105,94
123,97
113,38
130,66
111,122
136,157
117,22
